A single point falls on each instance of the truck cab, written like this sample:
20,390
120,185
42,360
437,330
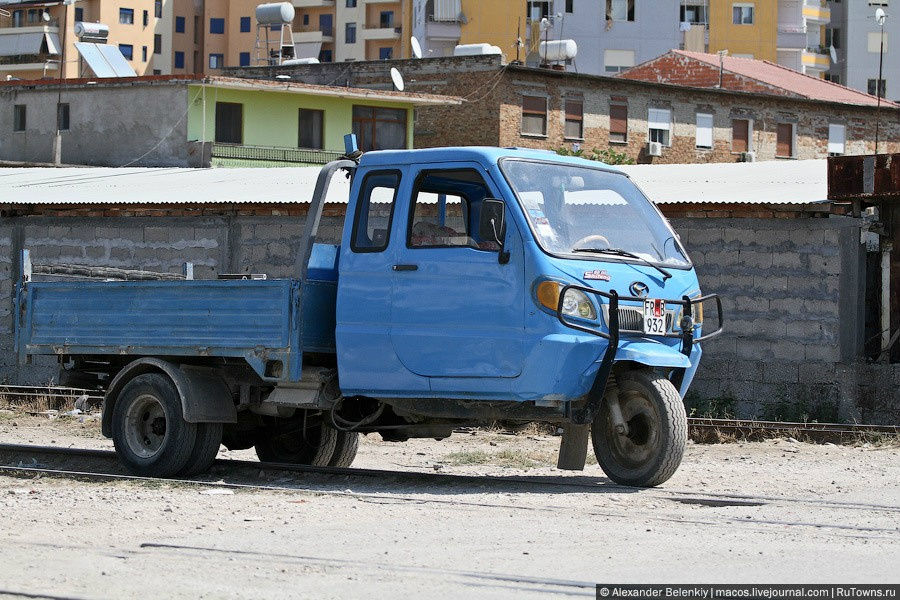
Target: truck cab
471,285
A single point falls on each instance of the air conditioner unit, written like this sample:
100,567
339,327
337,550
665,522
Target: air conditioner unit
748,156
654,149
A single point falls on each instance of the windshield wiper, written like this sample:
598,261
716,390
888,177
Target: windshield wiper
620,252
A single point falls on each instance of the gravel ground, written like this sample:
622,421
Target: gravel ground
744,512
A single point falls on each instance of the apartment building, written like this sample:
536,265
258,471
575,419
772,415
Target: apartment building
32,35
856,38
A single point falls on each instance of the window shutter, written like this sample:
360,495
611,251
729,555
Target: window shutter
660,118
618,119
704,130
534,104
784,140
740,132
574,110
837,138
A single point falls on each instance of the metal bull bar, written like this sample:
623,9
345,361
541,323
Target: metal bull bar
586,414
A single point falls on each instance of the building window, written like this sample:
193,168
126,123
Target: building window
620,10
325,56
379,128
351,3
305,19
784,140
537,10
570,8
374,211
62,117
837,139
875,42
695,14
740,135
216,25
385,53
157,72
245,24
126,16
144,53
659,122
534,115
244,59
19,117
616,61
179,24
146,18
833,77
157,9
179,59
742,14
127,50
229,122
704,130
310,130
197,29
79,14
157,43
326,24
350,33
833,37
574,125
386,19
618,123
882,87
216,61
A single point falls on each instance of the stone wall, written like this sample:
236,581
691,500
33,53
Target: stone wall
791,291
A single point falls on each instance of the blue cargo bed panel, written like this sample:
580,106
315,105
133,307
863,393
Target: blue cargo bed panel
257,320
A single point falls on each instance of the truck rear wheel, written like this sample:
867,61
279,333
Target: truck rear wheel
657,430
151,437
209,438
344,449
297,441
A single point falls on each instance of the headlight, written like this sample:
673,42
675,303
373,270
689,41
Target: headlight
575,303
697,310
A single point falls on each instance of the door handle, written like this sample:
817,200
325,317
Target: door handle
405,267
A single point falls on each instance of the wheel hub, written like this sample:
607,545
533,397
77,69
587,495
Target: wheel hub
145,426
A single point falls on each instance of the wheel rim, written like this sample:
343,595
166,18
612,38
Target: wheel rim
145,426
641,444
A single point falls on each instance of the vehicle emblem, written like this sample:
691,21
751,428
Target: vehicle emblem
639,289
597,274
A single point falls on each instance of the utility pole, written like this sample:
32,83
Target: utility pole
880,17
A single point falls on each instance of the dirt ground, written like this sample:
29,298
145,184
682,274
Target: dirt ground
774,511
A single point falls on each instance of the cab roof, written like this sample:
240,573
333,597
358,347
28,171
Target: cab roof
480,154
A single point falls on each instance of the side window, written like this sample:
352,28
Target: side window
372,222
445,211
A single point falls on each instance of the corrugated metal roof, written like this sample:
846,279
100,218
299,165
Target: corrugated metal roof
771,182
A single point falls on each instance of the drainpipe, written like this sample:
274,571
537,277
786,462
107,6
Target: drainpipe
886,249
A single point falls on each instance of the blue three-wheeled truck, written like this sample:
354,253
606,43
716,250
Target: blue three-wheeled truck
471,285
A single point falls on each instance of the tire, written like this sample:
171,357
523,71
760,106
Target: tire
654,446
209,438
345,449
151,437
297,441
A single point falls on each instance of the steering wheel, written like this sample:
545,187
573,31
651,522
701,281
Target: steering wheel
592,238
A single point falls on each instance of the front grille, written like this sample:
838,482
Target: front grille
631,318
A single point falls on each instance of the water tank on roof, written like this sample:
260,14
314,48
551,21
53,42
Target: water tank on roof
558,50
275,13
91,30
476,50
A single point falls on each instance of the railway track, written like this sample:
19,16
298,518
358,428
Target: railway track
819,432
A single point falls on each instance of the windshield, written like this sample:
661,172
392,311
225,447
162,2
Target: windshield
590,211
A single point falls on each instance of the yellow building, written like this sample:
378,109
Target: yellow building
787,32
498,22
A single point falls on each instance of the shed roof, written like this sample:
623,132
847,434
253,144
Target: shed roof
768,183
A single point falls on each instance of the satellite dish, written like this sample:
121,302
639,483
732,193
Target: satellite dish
397,78
833,53
416,47
545,24
45,16
880,16
282,77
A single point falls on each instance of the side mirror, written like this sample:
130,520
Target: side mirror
492,224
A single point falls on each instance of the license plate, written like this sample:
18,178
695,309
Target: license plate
654,317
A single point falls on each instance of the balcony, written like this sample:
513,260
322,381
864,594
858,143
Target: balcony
792,38
815,12
313,3
46,63
228,155
313,35
815,59
377,32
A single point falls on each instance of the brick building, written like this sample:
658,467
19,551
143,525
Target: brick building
514,105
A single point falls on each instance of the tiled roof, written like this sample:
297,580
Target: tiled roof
786,79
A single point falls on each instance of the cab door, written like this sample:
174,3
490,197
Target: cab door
457,309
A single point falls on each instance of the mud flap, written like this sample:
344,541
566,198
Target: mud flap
573,447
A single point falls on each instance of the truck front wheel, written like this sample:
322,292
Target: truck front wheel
151,437
649,452
298,441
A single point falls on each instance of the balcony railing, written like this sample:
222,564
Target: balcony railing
12,23
272,155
